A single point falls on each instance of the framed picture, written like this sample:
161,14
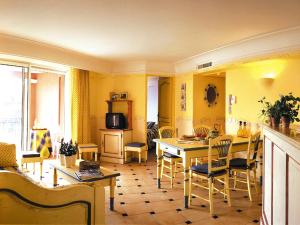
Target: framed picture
123,95
183,97
115,97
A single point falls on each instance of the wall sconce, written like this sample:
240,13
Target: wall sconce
268,78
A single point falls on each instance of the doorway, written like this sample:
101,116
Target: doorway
159,108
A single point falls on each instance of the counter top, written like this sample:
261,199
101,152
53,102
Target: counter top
288,135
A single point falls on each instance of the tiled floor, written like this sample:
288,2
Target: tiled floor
139,201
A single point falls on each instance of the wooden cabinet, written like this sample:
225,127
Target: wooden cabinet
281,183
112,144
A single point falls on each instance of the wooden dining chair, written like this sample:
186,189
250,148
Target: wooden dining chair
199,130
246,165
215,170
172,160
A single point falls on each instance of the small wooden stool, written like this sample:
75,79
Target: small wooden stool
137,147
92,148
32,157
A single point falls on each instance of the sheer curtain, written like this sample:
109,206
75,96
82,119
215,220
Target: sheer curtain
80,106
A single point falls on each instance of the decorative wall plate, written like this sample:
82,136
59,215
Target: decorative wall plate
211,95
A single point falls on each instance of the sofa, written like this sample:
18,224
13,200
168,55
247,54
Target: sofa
22,201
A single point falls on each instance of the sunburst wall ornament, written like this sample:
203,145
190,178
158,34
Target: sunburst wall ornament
211,95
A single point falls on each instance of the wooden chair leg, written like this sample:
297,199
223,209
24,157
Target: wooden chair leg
125,156
162,168
249,185
190,187
210,186
171,172
255,181
175,170
140,158
34,168
227,189
234,179
41,170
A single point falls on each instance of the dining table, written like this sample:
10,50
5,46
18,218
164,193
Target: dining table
189,150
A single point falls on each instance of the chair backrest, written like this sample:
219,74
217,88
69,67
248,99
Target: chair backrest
220,146
201,129
253,146
167,132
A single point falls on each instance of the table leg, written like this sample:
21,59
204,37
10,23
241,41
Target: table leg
112,193
186,168
54,177
158,167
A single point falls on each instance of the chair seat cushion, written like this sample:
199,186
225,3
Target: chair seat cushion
7,155
169,155
203,169
240,163
135,144
30,154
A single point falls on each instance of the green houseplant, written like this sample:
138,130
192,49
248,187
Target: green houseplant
270,111
289,108
286,109
68,152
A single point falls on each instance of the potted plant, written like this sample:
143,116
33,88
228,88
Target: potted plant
70,154
270,111
62,151
289,108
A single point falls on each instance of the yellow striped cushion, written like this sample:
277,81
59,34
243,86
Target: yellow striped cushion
7,155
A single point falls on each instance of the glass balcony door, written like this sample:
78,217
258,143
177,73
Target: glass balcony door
14,105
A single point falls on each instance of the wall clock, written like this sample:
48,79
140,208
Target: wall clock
211,95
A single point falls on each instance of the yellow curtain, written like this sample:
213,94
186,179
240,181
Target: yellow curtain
80,106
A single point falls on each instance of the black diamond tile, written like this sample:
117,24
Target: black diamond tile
178,183
124,214
133,174
239,210
150,173
60,178
120,194
152,212
119,186
142,193
246,196
122,203
178,210
147,201
147,169
215,217
171,199
154,178
193,196
136,179
260,204
139,185
203,206
225,201
164,191
255,221
188,222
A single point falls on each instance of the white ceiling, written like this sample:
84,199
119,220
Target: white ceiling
165,30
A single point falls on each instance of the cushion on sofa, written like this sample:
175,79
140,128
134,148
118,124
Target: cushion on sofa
7,155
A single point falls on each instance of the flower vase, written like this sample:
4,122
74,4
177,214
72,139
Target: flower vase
70,161
62,159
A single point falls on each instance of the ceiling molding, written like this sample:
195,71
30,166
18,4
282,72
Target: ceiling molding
20,47
271,44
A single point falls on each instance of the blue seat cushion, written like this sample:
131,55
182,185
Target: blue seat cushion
135,144
240,163
169,155
30,154
203,170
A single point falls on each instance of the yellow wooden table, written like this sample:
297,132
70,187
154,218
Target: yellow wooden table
108,179
188,151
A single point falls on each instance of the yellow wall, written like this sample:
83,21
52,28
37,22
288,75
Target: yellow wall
101,85
202,114
184,119
246,84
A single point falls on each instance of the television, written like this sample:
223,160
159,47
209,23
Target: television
115,121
